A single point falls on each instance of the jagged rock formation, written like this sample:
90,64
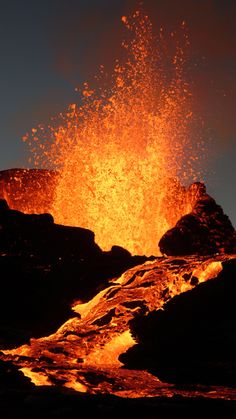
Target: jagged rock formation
193,338
206,230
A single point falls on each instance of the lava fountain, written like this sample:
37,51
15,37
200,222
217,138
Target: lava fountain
120,153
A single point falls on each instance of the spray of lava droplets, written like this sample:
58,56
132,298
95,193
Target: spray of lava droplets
120,153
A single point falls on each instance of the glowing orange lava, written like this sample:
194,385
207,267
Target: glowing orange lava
120,153
93,341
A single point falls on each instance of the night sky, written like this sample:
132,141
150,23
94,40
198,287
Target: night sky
48,47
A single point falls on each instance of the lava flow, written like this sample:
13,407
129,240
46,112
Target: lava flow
119,153
113,167
83,354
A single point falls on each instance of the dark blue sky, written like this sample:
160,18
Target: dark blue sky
48,47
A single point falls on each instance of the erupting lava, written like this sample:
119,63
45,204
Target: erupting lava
119,153
114,166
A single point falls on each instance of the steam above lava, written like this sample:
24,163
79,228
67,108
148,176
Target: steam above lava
120,153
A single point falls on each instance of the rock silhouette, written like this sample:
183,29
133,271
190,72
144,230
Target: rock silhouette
204,231
193,339
44,268
36,234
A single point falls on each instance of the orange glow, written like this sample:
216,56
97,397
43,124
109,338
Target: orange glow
118,158
120,153
37,378
29,191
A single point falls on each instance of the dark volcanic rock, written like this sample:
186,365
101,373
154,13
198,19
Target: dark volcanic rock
206,230
61,403
193,340
36,234
12,378
44,268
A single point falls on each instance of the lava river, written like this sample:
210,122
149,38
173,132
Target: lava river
83,353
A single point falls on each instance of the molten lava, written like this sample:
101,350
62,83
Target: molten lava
120,152
28,190
83,353
118,157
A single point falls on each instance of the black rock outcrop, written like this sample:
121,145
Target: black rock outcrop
204,231
44,268
193,339
37,235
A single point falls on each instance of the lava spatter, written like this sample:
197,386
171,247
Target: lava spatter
120,153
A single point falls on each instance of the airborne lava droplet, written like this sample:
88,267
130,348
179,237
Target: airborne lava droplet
121,151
